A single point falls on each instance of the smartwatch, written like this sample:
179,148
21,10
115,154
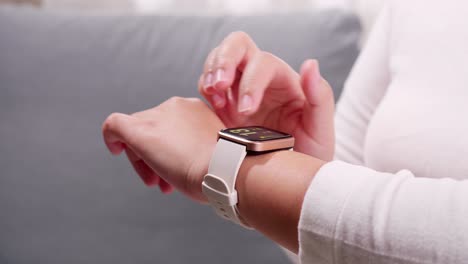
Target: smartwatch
233,145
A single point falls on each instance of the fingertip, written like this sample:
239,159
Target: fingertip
116,148
213,95
223,79
210,90
222,85
150,180
309,65
168,190
246,104
310,78
208,82
165,187
219,100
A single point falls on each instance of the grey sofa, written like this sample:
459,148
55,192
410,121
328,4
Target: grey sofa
63,198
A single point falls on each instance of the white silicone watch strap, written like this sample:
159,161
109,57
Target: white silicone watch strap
219,184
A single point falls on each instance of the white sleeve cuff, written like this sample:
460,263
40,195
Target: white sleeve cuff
323,205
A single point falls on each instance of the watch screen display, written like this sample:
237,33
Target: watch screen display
256,133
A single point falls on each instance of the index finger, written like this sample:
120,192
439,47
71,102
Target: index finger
231,55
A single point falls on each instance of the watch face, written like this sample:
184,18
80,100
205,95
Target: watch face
257,138
256,133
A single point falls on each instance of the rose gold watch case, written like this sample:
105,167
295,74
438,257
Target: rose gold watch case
259,146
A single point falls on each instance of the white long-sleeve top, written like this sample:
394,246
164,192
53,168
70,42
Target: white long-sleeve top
397,191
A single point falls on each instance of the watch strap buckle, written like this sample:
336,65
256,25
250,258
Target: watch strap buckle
223,200
222,197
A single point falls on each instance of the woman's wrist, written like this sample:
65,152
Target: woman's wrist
271,189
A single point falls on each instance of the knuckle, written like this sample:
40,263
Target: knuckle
267,55
240,38
172,102
220,61
111,121
271,59
175,100
194,100
222,57
209,64
242,35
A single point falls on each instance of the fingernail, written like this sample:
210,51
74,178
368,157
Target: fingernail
220,76
208,83
218,100
245,103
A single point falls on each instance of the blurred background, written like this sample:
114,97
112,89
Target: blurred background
366,9
65,65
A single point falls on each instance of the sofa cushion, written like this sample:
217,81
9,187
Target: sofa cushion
63,198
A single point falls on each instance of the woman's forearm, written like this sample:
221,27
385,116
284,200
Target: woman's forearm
271,188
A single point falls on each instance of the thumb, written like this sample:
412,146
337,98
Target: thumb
117,131
318,117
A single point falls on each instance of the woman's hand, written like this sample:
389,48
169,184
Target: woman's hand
247,86
168,145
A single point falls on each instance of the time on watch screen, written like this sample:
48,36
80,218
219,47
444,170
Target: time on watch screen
256,133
